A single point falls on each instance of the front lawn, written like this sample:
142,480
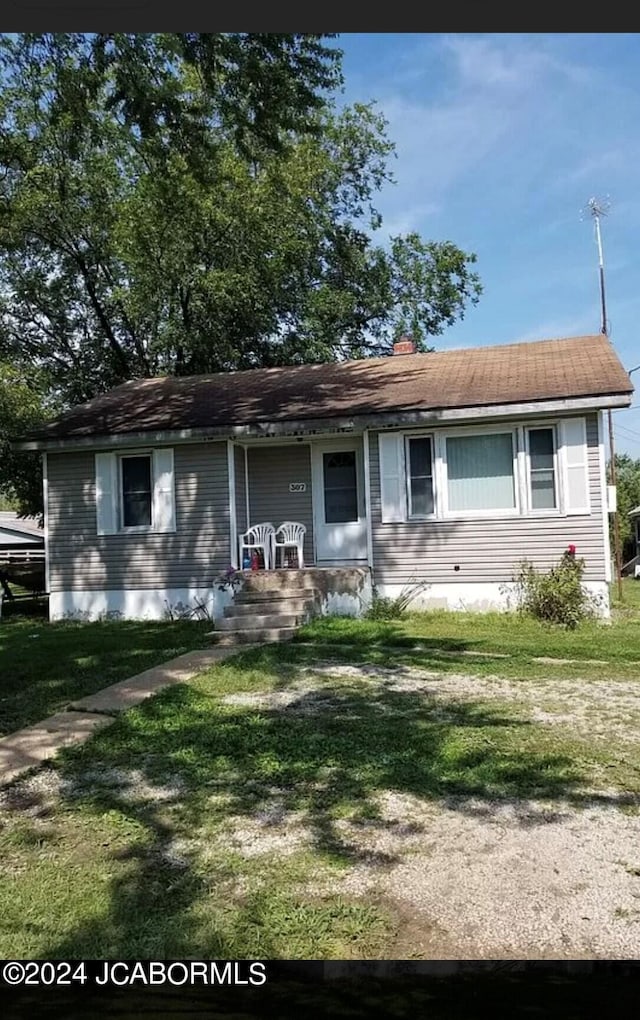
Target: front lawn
44,666
367,790
487,643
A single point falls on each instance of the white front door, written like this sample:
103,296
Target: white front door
339,514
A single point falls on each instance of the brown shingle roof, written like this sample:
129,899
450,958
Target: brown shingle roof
480,376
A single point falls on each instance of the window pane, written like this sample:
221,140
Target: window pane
480,472
541,448
420,480
340,487
421,496
420,456
543,486
136,511
340,505
543,492
136,491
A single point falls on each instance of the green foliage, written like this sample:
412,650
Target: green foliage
192,203
628,496
556,596
383,607
23,405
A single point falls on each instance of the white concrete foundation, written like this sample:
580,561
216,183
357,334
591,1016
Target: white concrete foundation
483,597
137,604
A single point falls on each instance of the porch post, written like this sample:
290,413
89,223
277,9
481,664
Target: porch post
45,494
246,486
367,496
233,521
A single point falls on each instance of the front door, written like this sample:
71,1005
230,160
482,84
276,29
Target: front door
340,525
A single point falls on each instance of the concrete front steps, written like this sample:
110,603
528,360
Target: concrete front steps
271,606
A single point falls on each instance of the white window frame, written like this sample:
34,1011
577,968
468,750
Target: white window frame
407,437
496,512
558,510
134,528
521,468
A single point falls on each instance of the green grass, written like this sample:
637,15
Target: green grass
45,666
148,845
466,641
630,603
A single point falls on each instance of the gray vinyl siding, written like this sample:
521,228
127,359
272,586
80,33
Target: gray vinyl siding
486,549
241,491
194,555
271,469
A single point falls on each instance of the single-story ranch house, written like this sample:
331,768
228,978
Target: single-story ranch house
450,467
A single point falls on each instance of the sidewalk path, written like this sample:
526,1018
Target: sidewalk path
29,747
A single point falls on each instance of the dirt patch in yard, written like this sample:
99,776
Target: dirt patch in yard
352,785
474,878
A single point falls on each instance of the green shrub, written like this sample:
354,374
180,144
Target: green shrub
557,596
382,607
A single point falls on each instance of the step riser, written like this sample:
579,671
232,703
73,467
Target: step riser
268,598
271,608
289,580
260,622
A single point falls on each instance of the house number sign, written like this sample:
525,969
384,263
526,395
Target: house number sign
297,486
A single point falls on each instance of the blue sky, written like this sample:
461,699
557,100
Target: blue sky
501,140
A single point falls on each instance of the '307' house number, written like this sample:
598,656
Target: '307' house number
297,486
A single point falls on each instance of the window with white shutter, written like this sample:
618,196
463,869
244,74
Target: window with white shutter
106,493
575,467
164,502
392,477
135,491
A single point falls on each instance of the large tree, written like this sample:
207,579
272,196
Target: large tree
183,203
24,403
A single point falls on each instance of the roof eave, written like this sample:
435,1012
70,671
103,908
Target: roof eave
387,419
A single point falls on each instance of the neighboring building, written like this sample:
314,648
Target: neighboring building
22,556
19,533
451,467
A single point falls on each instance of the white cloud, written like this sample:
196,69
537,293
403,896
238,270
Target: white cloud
494,97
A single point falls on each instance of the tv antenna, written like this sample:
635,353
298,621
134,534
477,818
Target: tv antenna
596,209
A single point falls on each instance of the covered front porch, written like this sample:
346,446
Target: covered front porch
320,483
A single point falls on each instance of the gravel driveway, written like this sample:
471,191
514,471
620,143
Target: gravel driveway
466,877
475,878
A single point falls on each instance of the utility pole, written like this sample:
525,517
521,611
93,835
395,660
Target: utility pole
596,210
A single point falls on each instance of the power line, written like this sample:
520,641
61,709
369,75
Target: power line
631,432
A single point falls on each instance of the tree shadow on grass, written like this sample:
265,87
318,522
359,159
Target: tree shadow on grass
44,667
319,756
305,757
383,644
336,632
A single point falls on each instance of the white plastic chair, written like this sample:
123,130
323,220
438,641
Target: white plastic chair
260,536
290,533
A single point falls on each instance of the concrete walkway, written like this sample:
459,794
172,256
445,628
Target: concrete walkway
35,744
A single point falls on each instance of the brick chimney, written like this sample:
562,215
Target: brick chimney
405,345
